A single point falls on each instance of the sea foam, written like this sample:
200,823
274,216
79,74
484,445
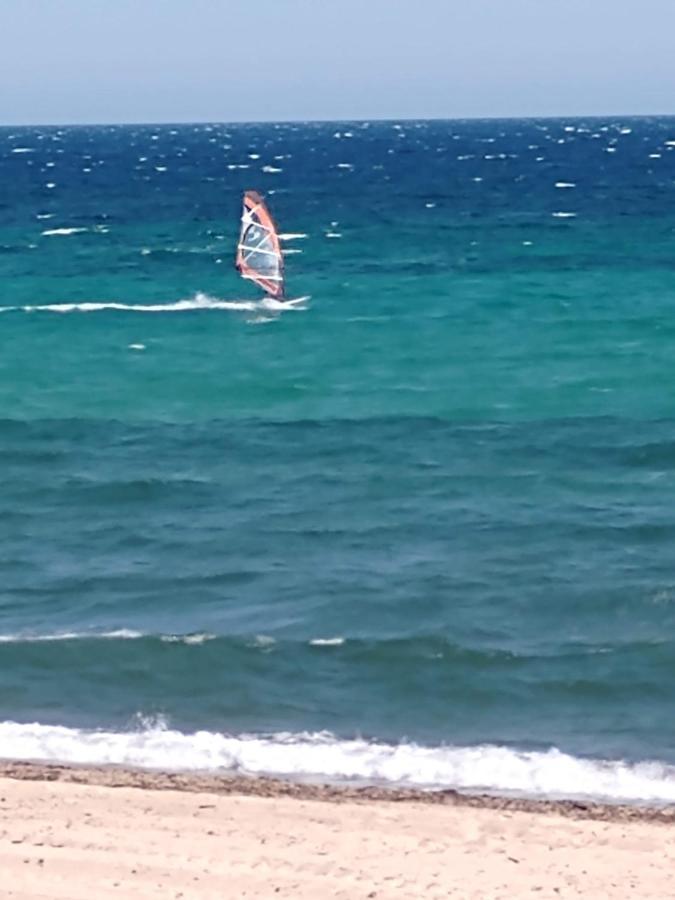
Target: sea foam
322,756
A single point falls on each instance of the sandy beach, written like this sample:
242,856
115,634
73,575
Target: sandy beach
82,834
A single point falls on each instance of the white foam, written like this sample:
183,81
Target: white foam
198,302
563,215
327,642
263,640
189,639
29,638
127,634
565,184
136,346
63,231
321,756
23,150
292,236
272,305
271,169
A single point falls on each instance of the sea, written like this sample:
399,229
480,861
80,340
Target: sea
418,530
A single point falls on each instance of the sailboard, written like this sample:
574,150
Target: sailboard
259,255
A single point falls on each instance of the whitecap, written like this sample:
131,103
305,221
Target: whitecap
63,231
29,638
563,215
188,639
263,640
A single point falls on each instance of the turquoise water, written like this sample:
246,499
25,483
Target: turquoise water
419,531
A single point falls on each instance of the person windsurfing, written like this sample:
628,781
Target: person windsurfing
259,256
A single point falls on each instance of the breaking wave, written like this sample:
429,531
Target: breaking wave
323,756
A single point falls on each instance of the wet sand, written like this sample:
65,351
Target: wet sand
85,834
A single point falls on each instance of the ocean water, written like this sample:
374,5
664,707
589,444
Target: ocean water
418,532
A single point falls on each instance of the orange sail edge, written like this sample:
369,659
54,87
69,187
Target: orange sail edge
259,256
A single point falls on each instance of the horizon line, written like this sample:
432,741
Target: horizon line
355,121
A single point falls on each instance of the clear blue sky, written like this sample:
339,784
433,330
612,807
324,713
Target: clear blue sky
64,61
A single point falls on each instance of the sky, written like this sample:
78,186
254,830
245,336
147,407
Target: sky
89,61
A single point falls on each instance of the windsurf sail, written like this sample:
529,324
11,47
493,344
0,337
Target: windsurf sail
259,256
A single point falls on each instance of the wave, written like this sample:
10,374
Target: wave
322,756
421,649
190,639
120,634
27,638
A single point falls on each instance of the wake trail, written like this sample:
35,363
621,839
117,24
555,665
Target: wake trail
198,302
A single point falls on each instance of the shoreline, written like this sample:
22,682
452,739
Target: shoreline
262,786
